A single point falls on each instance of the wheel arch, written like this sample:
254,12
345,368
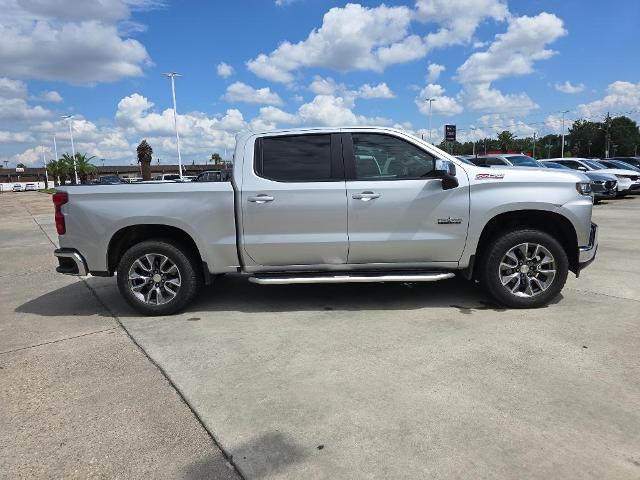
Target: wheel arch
555,224
126,237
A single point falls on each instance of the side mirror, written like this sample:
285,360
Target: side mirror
582,169
446,171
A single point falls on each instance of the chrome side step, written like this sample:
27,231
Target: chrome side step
284,279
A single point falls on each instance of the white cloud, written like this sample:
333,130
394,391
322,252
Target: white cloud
512,53
12,88
459,19
442,104
77,42
15,137
326,86
515,51
16,109
224,70
48,96
433,72
350,38
381,90
621,97
241,92
568,87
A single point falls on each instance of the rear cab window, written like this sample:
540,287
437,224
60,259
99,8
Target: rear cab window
298,158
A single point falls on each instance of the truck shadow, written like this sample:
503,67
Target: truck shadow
234,293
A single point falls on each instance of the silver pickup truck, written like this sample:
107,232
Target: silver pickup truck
333,205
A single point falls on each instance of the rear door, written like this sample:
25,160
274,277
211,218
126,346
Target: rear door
293,200
398,212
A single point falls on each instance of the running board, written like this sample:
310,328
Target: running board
289,278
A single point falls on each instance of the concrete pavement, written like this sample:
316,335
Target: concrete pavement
391,381
78,399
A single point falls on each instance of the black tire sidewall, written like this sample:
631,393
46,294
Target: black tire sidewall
500,245
177,254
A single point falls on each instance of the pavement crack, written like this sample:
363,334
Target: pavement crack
57,341
579,290
228,456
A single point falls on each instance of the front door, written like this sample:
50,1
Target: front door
398,212
293,200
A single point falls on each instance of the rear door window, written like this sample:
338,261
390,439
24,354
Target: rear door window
295,158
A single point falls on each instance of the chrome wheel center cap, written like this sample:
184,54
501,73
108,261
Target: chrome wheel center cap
157,278
524,269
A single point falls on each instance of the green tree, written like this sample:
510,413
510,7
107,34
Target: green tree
84,166
54,168
586,138
67,164
21,165
216,158
624,136
505,141
145,153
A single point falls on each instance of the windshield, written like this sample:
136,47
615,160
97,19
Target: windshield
593,164
522,161
559,166
625,166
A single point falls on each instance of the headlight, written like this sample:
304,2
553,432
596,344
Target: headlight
583,188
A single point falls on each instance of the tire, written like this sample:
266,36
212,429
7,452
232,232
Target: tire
154,286
530,281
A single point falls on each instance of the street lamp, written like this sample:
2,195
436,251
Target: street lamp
430,100
73,149
562,148
172,76
46,174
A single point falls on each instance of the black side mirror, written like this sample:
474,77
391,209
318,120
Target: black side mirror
446,171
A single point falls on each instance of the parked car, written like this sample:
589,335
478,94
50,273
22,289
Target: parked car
635,161
30,187
322,206
17,187
628,181
466,159
108,180
167,177
611,163
603,185
506,160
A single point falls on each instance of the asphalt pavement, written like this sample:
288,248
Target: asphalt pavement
318,381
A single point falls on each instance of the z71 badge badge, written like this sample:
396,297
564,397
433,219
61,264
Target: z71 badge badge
449,221
490,176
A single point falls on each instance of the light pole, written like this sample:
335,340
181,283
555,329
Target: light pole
55,148
562,148
46,174
172,76
533,154
73,149
430,100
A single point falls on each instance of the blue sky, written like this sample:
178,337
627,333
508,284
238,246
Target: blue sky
490,64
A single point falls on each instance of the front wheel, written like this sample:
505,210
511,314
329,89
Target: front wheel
158,277
524,269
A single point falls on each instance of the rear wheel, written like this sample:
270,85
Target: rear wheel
158,277
524,269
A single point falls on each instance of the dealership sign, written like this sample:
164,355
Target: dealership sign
450,133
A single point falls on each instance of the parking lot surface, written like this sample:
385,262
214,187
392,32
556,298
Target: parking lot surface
319,381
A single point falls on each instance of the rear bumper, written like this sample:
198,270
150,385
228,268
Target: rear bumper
70,262
587,254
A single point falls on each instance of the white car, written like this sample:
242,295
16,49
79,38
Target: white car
167,177
628,181
17,187
30,187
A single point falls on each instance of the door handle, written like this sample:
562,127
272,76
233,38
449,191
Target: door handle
261,198
365,196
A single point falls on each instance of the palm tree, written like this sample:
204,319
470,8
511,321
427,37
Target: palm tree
56,170
67,165
144,159
84,167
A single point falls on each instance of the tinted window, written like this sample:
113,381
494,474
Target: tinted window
382,157
493,161
556,165
571,164
522,161
300,158
594,164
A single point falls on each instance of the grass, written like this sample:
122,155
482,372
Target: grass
47,190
